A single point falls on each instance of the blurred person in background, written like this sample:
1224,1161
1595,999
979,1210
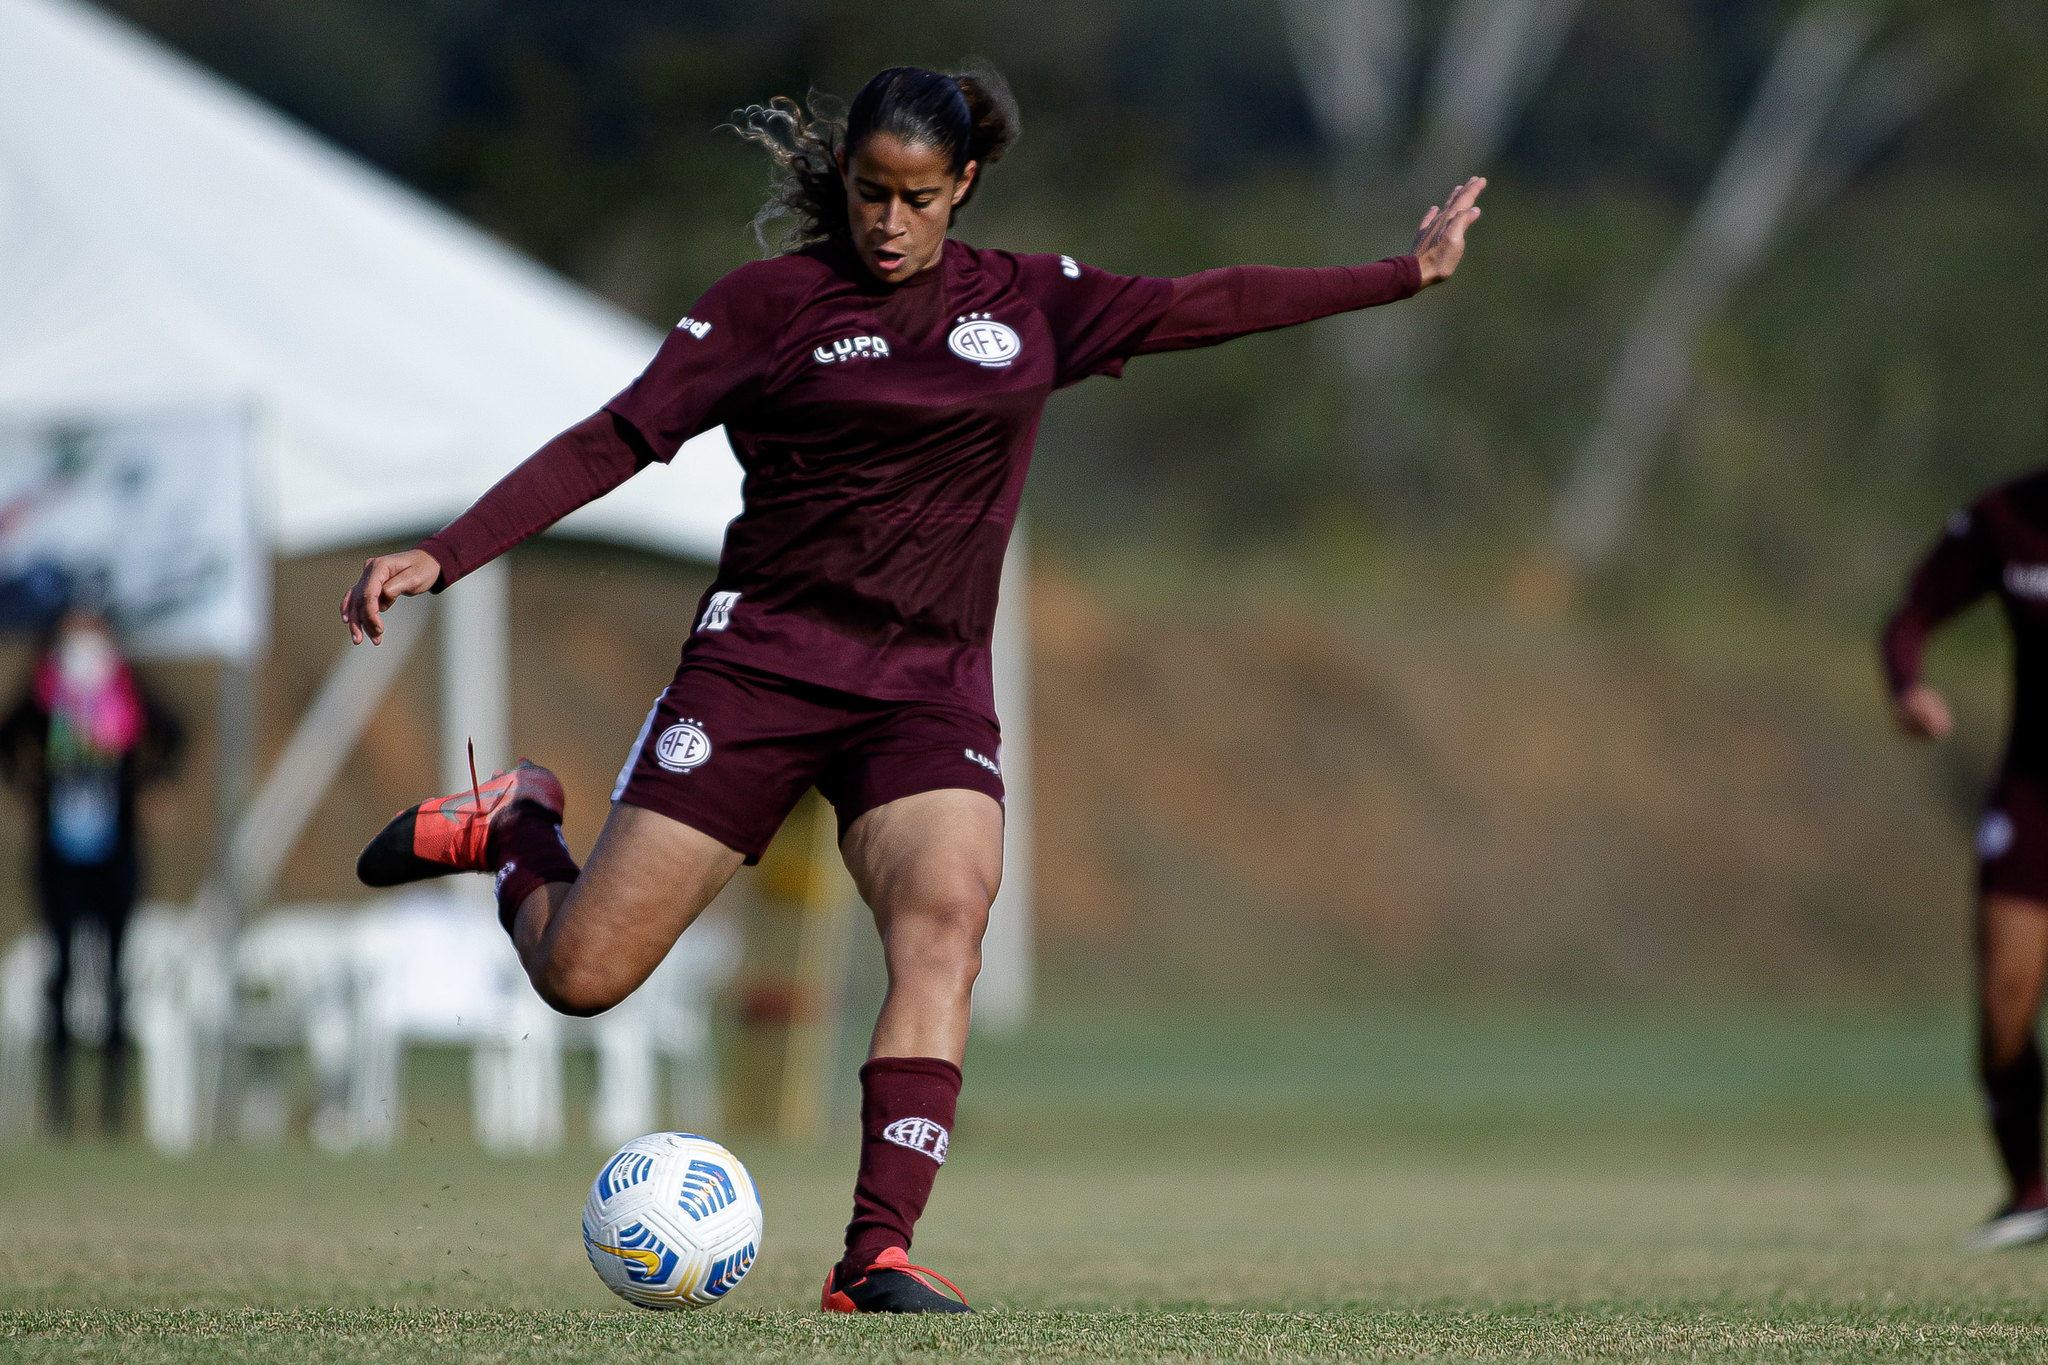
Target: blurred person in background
83,737
882,386
1998,545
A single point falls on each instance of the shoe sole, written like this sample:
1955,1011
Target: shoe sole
2013,1230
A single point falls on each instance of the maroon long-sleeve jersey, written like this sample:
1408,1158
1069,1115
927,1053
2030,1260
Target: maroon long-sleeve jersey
884,432
1999,544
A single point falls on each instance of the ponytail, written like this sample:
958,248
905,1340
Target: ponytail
993,121
967,117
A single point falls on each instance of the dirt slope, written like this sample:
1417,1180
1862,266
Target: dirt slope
1474,799
1274,803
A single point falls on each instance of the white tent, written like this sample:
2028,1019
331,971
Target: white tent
167,243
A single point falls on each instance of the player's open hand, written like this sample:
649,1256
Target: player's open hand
386,579
1921,713
1440,241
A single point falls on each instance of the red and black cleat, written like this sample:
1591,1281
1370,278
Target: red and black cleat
452,833
891,1285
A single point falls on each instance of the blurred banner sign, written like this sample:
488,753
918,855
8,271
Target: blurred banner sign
152,515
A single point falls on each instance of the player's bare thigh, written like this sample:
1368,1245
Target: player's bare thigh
645,883
2012,961
928,866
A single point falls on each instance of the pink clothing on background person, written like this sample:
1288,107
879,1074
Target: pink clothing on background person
106,712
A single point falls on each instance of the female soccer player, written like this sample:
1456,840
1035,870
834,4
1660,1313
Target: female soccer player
881,385
1999,545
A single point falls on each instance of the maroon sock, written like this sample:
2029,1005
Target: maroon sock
2015,1093
906,1121
527,851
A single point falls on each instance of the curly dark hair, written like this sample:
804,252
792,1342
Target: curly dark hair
970,117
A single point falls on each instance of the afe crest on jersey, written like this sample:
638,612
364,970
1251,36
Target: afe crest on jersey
981,339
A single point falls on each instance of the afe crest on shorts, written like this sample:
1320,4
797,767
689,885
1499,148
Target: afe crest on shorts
683,746
981,339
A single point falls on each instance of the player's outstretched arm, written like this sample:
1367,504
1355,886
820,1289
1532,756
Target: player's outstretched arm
386,578
577,467
1215,306
1440,241
695,381
1921,713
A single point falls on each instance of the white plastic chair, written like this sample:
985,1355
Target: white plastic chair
429,967
294,981
178,1006
24,974
668,1018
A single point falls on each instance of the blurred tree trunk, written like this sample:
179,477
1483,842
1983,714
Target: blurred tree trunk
1397,153
1814,120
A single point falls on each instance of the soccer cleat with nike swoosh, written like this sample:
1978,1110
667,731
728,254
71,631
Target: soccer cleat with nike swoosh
452,833
891,1284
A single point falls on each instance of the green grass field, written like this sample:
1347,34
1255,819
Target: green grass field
1742,1185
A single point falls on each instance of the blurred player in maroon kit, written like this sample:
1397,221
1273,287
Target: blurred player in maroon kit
1999,545
881,386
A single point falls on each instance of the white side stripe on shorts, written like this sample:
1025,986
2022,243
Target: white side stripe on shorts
639,743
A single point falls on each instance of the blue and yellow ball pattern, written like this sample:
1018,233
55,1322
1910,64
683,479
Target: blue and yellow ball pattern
673,1221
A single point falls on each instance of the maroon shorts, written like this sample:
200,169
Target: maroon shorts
2012,840
729,752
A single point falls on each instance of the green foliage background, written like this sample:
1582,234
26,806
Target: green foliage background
1886,361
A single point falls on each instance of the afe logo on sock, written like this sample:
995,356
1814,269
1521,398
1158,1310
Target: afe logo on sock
919,1135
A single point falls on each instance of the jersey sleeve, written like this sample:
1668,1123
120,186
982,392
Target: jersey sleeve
579,466
1097,319
708,370
712,367
1216,305
1962,567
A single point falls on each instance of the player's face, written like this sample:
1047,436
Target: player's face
899,199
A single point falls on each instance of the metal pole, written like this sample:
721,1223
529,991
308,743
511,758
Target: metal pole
235,766
476,696
1003,994
326,735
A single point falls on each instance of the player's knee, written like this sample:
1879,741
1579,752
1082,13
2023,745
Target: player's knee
2007,1004
941,936
577,990
961,918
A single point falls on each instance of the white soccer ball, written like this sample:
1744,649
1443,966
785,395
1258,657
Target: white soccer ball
673,1221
